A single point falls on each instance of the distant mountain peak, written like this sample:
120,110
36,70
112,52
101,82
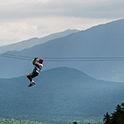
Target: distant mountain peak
71,30
28,43
111,23
101,41
69,72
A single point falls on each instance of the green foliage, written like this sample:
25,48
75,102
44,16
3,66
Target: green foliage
117,117
13,121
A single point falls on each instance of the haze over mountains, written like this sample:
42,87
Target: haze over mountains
35,41
60,92
65,89
104,40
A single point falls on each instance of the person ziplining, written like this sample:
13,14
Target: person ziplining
38,64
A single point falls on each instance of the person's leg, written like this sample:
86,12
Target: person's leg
29,76
34,74
32,82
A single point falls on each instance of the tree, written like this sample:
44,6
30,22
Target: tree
117,117
107,119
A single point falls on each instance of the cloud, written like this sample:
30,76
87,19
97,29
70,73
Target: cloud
22,19
17,9
15,31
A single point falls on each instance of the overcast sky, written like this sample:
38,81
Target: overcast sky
24,19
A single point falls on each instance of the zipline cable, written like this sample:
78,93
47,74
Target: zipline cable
21,57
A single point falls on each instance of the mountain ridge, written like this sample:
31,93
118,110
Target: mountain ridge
35,41
99,41
61,91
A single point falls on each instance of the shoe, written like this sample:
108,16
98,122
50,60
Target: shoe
30,85
33,82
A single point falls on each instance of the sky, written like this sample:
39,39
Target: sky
25,19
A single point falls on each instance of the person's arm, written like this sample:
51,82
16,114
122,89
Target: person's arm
39,64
